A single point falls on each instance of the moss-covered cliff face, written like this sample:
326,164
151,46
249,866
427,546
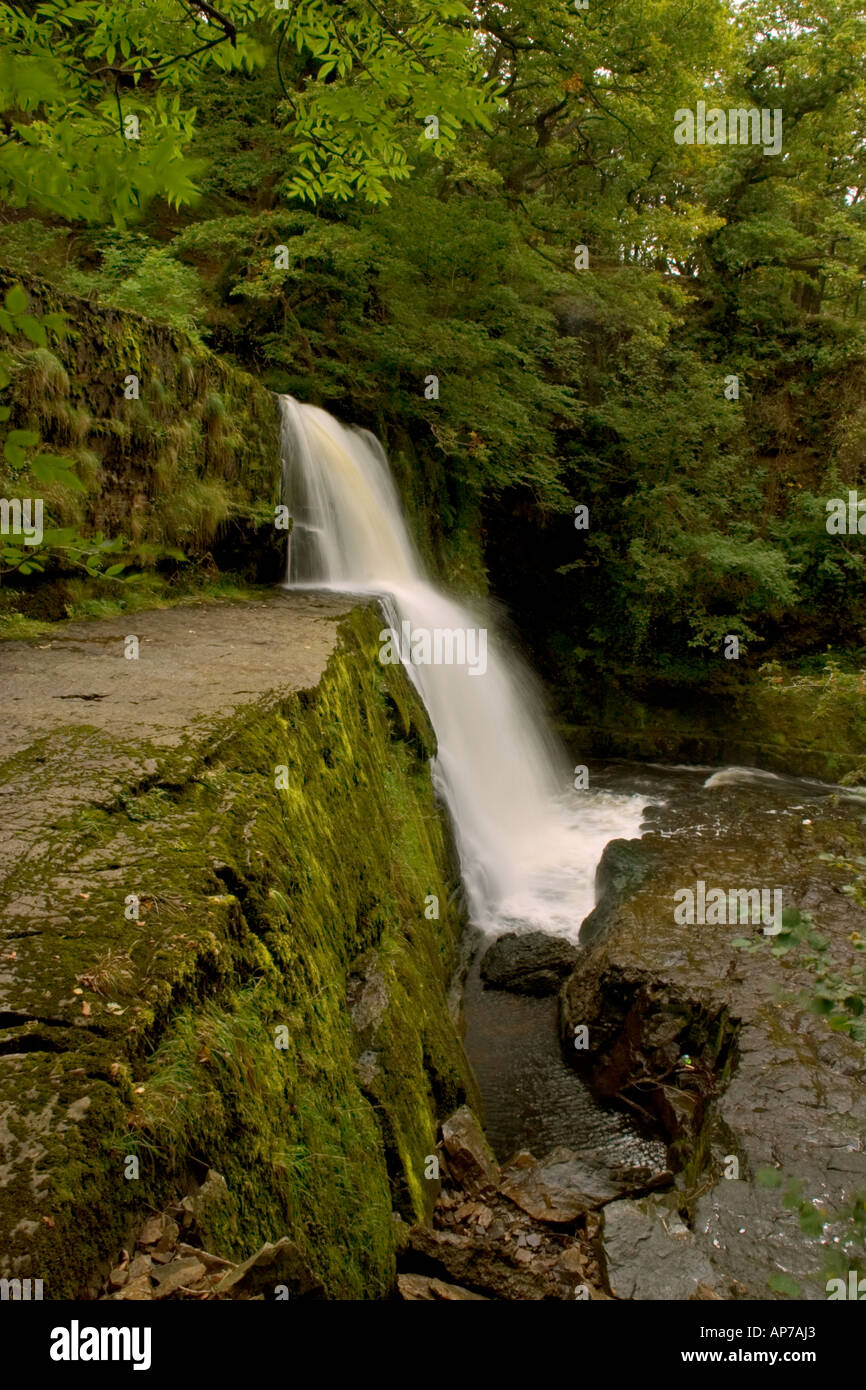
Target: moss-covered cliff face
188,473
271,1002
808,724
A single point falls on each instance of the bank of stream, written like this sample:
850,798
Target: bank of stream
689,821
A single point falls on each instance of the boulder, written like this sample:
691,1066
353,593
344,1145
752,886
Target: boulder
258,1276
652,1254
528,962
470,1158
623,867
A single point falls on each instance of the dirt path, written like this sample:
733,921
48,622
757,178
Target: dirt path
79,720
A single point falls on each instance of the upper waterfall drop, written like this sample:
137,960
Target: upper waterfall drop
501,773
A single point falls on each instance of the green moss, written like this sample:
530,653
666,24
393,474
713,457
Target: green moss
193,463
260,910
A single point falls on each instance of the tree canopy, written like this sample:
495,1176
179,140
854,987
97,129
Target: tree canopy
493,194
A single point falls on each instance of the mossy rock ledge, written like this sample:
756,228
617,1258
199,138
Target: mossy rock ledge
215,948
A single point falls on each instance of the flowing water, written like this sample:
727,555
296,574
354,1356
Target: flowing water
528,842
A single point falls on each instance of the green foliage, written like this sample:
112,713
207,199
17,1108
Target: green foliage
27,472
97,95
603,387
148,280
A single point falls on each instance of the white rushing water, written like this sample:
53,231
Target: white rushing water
528,842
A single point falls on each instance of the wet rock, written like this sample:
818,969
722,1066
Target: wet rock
176,1275
565,1185
415,1287
281,1263
528,962
651,1254
623,867
470,1158
709,1041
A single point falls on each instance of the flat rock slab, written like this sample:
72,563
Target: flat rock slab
78,720
651,1254
565,1185
93,750
419,1287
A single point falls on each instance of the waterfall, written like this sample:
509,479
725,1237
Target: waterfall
528,843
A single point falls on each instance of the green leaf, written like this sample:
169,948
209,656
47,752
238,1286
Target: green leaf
32,329
16,300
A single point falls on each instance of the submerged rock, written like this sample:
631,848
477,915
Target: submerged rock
528,962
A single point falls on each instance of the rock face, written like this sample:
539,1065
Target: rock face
528,962
205,851
707,1040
